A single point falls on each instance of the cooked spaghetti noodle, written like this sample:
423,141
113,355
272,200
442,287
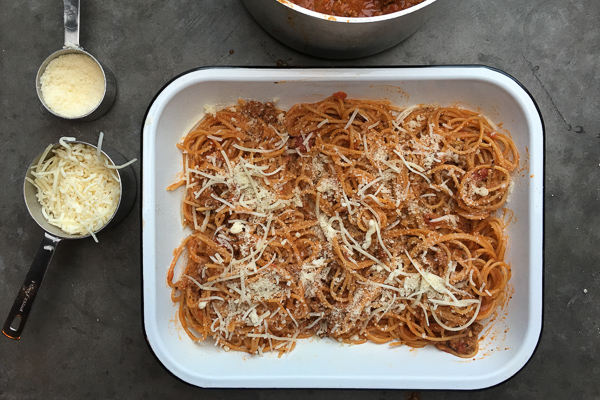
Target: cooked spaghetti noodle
349,219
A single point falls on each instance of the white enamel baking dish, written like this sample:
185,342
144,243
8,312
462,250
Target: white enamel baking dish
508,345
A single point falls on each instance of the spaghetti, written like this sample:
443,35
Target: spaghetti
349,219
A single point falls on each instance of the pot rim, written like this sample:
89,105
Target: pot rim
354,20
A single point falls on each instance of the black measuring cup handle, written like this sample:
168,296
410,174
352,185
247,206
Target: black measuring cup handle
22,306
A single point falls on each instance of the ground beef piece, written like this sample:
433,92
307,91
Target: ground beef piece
480,175
298,144
465,225
468,345
428,217
257,110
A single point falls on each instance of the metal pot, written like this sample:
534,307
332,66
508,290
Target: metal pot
328,36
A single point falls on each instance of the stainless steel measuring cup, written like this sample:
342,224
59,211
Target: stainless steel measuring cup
71,46
13,327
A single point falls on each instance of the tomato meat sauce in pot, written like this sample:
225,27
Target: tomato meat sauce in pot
356,8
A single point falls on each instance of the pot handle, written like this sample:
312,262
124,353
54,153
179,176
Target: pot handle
22,306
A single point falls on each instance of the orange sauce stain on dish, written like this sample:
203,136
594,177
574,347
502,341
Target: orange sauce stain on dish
508,216
175,327
402,92
356,8
493,336
392,89
413,351
525,165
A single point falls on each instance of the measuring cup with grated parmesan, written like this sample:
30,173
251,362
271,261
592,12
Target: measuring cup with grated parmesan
71,83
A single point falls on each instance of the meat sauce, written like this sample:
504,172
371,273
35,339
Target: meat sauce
466,346
356,8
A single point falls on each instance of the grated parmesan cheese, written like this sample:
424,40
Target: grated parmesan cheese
72,85
481,191
236,227
325,225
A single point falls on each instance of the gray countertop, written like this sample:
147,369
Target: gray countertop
84,337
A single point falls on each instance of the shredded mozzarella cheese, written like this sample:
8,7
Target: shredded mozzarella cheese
76,187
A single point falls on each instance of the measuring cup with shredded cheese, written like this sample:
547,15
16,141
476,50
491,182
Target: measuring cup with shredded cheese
72,190
77,187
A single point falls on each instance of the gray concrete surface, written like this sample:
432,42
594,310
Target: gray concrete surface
84,338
